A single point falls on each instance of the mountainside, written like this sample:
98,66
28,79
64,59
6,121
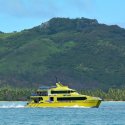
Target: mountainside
79,52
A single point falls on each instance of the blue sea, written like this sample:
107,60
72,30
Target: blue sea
15,113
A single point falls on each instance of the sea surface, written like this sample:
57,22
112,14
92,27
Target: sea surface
15,113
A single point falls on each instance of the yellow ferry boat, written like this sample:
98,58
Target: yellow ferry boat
61,96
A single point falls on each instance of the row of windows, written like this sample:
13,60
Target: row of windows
36,100
42,93
71,98
45,93
62,92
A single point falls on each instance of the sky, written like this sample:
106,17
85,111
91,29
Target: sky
17,15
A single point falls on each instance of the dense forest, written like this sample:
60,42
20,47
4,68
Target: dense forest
80,52
8,93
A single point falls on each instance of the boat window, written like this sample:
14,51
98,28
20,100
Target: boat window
62,92
36,100
51,98
42,93
40,98
70,98
72,91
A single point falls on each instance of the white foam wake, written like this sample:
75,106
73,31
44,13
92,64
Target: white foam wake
12,104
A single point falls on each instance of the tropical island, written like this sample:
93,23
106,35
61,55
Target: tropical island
81,52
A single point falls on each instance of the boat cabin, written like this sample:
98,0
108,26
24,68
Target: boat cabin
57,93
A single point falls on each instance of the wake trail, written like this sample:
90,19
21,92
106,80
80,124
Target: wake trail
12,104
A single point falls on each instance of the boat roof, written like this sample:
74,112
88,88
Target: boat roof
58,87
46,87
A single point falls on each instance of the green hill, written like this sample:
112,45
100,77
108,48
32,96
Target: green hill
79,52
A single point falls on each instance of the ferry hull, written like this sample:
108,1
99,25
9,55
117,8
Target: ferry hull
89,103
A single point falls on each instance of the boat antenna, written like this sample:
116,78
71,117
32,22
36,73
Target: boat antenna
56,79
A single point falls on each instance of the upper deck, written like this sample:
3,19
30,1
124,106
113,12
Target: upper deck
54,90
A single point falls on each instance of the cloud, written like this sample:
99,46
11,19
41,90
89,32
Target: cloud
43,8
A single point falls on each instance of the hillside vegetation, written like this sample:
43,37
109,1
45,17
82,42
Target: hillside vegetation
79,52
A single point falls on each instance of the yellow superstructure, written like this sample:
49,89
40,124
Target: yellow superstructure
61,96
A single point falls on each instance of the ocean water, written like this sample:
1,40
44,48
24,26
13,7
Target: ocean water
15,113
